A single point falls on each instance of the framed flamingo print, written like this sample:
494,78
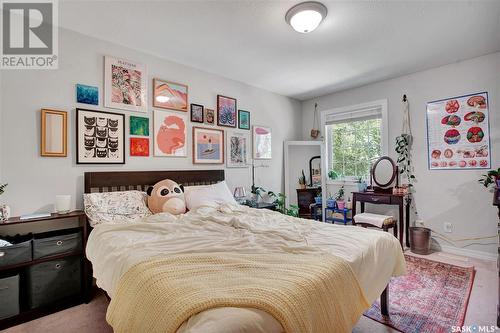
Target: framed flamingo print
170,134
208,146
124,85
262,143
170,95
226,111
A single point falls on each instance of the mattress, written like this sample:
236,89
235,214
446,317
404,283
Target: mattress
373,255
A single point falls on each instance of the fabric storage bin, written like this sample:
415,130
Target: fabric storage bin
56,242
18,252
54,280
9,294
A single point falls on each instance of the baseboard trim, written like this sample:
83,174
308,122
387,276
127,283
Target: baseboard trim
465,252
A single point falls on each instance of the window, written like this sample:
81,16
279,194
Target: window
355,139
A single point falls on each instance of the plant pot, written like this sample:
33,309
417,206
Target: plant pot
420,240
341,205
318,200
330,203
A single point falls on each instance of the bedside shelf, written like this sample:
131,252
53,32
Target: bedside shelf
83,295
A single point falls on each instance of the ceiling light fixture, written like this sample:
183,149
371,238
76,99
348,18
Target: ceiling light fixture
306,16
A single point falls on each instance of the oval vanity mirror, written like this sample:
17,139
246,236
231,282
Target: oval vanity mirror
383,174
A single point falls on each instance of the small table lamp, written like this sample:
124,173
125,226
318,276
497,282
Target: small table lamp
240,194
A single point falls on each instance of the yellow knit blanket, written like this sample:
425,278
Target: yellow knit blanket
304,293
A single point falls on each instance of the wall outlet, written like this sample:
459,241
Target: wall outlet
448,227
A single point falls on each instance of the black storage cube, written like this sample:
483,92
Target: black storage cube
56,242
9,296
54,280
18,252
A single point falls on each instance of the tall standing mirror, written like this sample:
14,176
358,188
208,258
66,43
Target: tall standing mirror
54,133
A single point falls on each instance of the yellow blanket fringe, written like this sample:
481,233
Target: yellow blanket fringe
304,293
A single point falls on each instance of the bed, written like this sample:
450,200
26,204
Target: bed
373,256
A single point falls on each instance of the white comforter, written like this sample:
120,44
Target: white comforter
374,256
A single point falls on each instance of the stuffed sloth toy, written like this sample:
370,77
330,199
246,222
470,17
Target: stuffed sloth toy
166,196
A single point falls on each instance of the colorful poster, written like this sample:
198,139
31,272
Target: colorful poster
139,147
170,134
87,94
226,111
139,126
170,95
208,146
262,143
124,85
458,133
237,150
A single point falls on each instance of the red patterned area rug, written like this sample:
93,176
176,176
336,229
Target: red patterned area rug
431,297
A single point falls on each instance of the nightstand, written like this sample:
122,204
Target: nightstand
46,270
261,205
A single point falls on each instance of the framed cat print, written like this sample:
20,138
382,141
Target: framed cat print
100,137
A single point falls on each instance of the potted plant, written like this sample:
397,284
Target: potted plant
302,180
318,198
340,198
332,175
4,210
361,184
256,194
492,177
330,202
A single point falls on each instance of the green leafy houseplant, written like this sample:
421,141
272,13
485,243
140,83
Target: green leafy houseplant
279,200
340,194
491,177
403,143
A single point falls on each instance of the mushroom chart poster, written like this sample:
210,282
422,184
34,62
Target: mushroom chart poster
458,134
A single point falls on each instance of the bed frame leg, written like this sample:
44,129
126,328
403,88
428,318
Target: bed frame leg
384,302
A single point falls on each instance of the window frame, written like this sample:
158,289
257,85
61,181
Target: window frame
360,110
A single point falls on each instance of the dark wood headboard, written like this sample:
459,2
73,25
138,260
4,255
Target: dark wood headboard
141,180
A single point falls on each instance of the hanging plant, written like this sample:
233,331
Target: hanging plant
403,143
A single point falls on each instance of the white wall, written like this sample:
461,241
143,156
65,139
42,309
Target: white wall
441,196
34,180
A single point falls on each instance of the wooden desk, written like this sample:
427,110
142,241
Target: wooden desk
402,201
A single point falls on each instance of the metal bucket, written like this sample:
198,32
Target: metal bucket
420,240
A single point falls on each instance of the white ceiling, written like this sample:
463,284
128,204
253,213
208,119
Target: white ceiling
249,41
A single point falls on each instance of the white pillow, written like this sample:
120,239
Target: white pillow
110,207
209,196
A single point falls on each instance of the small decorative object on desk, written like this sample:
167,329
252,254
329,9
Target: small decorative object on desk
63,204
302,180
